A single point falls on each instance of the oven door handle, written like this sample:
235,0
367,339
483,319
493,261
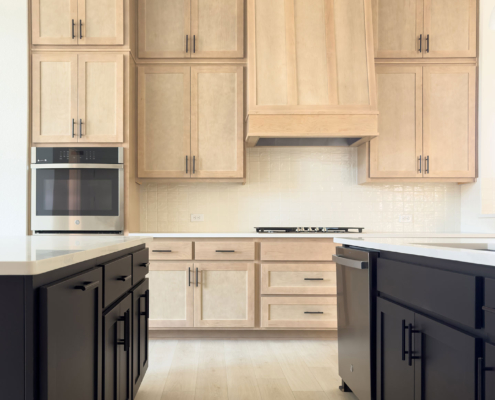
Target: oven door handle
347,262
77,166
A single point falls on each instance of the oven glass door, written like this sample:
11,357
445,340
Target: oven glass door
77,192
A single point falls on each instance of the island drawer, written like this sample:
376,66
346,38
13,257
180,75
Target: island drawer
449,294
299,312
489,308
117,278
170,250
230,251
140,265
298,279
297,250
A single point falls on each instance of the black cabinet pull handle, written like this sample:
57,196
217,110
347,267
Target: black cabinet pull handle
194,164
124,278
88,286
189,275
146,297
225,251
313,312
80,128
427,43
404,352
410,351
80,29
126,341
194,44
73,33
488,309
145,265
187,43
427,164
420,43
197,276
73,123
313,279
187,164
420,162
162,251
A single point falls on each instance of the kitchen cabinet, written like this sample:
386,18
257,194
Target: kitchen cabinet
425,28
77,98
488,364
190,122
427,124
71,338
73,22
419,358
140,333
117,351
191,29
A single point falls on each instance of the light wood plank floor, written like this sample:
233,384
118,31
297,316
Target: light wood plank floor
242,370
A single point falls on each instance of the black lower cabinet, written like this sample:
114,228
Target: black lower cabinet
140,301
70,338
489,374
421,359
117,351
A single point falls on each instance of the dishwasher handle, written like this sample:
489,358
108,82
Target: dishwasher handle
347,262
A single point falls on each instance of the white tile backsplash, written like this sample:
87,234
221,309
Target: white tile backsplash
300,186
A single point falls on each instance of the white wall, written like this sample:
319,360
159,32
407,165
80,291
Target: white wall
481,192
13,116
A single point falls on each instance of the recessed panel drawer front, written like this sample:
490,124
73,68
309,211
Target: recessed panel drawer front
297,250
117,277
230,251
299,312
140,265
169,250
489,308
449,294
298,279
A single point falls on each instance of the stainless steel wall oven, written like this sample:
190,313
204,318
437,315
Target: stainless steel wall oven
77,190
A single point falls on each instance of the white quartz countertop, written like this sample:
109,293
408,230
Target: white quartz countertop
33,255
469,249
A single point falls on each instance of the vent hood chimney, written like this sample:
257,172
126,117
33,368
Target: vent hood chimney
311,73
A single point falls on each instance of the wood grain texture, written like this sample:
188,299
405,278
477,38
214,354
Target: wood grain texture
52,22
102,22
242,251
212,383
296,250
179,250
184,368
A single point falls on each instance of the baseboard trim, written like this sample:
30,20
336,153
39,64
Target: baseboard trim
242,334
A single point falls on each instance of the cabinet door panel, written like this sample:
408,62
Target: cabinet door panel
217,128
54,99
446,368
490,371
53,22
164,26
395,153
224,295
452,28
101,22
398,25
449,121
171,294
70,330
395,377
218,26
164,129
140,329
101,98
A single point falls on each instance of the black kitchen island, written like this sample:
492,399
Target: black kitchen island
74,317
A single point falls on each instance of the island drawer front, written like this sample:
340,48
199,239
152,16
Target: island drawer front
230,251
117,278
489,308
297,250
140,265
298,279
299,312
170,250
449,294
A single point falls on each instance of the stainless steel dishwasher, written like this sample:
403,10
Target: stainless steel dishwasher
356,312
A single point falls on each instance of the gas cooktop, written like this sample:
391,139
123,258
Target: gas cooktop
309,230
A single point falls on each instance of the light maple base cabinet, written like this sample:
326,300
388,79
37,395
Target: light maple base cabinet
242,284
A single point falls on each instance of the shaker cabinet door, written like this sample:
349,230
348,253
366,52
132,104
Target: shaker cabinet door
71,338
101,22
54,22
140,337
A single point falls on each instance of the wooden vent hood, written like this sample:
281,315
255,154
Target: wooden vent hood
311,73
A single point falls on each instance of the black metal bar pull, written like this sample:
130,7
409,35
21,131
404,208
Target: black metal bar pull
126,342
73,31
404,352
73,123
162,251
313,279
80,128
88,286
194,164
427,159
187,164
197,276
124,278
427,43
194,44
420,43
145,265
313,312
187,43
225,251
189,276
410,351
146,298
80,29
420,159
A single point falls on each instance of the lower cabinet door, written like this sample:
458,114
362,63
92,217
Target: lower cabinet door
117,351
140,338
395,372
489,372
446,367
224,294
70,338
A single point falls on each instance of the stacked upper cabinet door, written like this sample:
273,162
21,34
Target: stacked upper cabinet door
424,28
78,98
73,22
191,28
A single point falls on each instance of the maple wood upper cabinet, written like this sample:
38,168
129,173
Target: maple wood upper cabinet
424,28
73,22
191,29
77,98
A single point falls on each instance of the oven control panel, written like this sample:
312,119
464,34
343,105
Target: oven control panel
80,155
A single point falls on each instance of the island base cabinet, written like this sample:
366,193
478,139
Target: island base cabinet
489,376
140,328
421,359
70,338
